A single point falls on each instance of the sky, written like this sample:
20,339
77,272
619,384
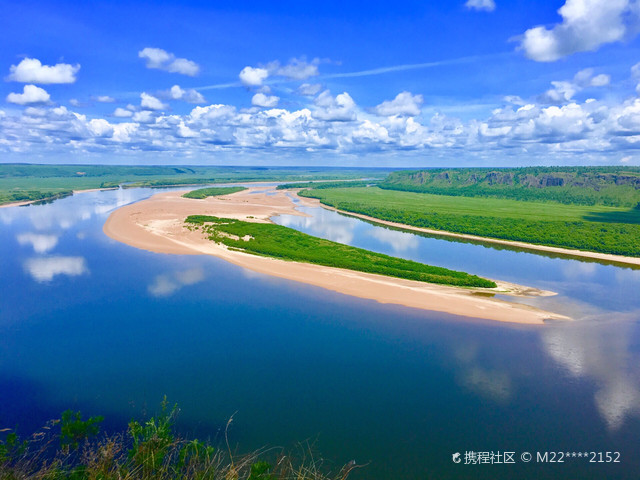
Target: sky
377,83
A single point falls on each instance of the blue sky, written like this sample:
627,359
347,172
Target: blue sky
414,83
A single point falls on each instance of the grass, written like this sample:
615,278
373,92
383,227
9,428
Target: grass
601,229
212,192
286,243
72,449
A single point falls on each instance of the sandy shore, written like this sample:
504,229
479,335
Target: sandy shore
157,224
522,245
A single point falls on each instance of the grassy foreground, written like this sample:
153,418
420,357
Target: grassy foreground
594,228
71,448
286,243
212,192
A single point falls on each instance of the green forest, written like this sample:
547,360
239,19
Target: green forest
592,228
612,186
272,240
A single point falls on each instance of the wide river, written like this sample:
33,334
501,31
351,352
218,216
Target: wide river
91,324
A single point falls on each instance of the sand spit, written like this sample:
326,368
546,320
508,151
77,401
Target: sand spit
157,224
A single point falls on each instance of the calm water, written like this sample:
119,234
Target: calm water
91,324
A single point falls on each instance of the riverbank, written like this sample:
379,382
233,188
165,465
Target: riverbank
157,224
617,259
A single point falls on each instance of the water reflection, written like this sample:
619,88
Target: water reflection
323,223
602,352
44,269
41,243
169,283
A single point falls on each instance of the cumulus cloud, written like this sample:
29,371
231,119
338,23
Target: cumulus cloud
262,100
253,77
30,95
563,91
340,108
404,104
295,69
31,70
160,59
586,25
486,5
44,269
122,113
189,95
149,102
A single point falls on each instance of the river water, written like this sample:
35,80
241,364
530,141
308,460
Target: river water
94,325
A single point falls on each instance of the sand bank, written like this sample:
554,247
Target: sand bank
157,224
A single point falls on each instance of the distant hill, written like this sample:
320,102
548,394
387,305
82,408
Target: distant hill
614,186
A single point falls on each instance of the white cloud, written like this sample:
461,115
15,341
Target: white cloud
342,108
46,268
296,69
586,25
404,104
487,5
262,100
30,95
309,90
564,91
189,95
149,102
105,99
40,243
163,60
31,70
253,77
122,113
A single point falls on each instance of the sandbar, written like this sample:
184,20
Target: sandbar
157,224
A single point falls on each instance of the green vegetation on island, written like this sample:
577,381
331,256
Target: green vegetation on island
71,448
597,228
212,192
613,186
277,241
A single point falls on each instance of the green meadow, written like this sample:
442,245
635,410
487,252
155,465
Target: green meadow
597,228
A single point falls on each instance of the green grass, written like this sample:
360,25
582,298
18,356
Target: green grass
286,243
594,228
212,192
71,448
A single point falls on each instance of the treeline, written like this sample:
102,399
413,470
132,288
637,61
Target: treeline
602,237
611,186
286,243
32,196
212,192
323,185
